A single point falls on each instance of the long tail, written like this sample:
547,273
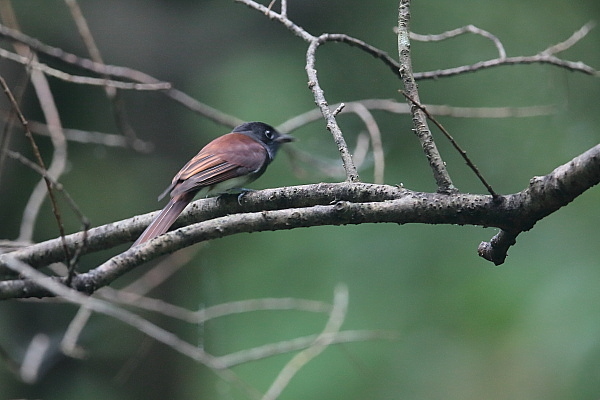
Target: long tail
165,218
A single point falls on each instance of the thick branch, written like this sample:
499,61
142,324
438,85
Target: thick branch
313,205
545,195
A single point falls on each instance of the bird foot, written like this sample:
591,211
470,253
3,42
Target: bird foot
241,192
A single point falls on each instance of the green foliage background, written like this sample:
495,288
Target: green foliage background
529,329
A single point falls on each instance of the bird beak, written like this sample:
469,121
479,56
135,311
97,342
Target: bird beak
283,138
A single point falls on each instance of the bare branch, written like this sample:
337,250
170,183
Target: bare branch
121,72
394,65
84,80
421,129
456,146
8,131
331,333
349,202
118,106
284,8
59,154
545,195
313,84
535,59
333,326
366,203
375,134
460,31
39,193
332,125
496,249
282,18
103,307
34,356
205,314
90,137
288,346
68,344
571,41
544,57
72,59
393,106
311,205
54,184
133,292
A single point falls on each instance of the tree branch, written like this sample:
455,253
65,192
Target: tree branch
311,205
546,56
438,167
313,81
328,114
121,72
313,344
393,106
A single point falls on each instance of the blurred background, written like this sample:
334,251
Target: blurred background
529,329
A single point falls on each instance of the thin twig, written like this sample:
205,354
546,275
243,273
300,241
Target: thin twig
367,48
456,146
7,131
300,343
55,185
375,134
120,72
393,106
460,31
83,80
162,271
68,344
313,84
33,358
518,60
118,106
361,149
333,326
284,8
59,154
220,365
72,59
47,178
91,137
205,314
133,293
571,41
103,307
546,56
281,17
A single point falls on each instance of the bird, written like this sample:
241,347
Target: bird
228,162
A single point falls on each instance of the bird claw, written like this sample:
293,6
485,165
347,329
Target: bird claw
242,193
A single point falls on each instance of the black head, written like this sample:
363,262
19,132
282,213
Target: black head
265,134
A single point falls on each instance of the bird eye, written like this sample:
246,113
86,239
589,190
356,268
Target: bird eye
269,134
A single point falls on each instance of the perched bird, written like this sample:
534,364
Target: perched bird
228,162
